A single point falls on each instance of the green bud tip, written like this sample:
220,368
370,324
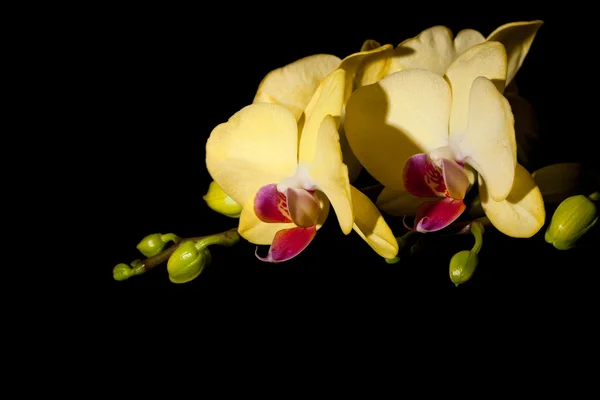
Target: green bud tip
462,266
220,202
123,271
153,244
572,219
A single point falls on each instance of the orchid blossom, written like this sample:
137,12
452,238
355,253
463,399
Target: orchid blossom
423,136
293,85
285,170
436,48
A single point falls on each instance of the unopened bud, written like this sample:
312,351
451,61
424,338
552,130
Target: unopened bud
153,244
187,262
462,266
571,220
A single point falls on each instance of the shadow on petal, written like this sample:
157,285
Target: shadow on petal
522,213
520,189
372,227
381,145
500,84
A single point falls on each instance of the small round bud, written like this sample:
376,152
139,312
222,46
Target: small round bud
571,220
151,245
462,266
122,272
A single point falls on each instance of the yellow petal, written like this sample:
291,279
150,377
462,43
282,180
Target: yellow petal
516,38
488,60
371,226
330,175
369,64
400,202
327,100
488,144
374,65
433,50
466,39
522,213
257,146
255,231
404,114
293,86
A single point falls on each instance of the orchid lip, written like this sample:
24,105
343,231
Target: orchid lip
288,243
435,215
442,177
270,205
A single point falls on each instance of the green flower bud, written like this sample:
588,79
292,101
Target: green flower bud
123,271
188,261
220,202
463,263
571,220
153,244
462,266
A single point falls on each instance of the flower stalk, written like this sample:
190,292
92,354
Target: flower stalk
123,271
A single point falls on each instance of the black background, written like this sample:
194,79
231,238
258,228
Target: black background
156,81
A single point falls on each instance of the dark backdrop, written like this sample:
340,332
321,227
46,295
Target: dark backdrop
162,79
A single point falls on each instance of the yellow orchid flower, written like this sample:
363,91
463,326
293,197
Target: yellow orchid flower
436,48
419,134
286,172
293,85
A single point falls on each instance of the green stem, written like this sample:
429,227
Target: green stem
170,237
477,231
227,238
138,267
402,240
594,196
